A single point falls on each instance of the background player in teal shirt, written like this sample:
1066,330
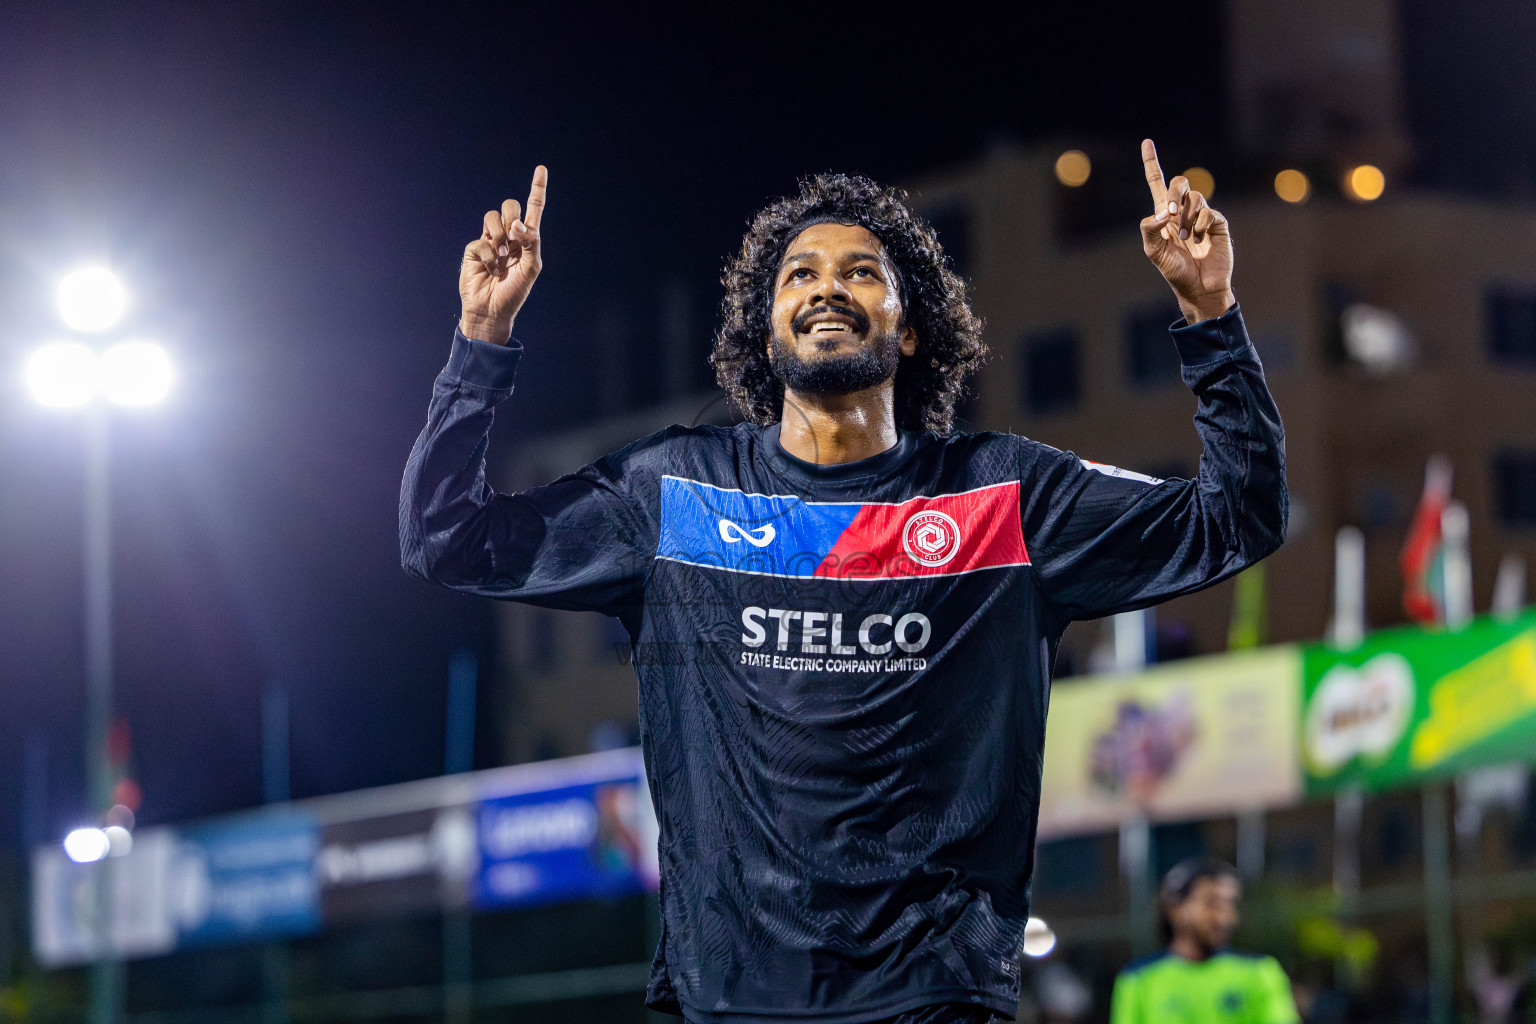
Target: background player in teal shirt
1197,979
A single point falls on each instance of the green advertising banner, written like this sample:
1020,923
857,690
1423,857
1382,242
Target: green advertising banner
1409,705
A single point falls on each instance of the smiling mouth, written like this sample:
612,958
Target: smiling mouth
830,324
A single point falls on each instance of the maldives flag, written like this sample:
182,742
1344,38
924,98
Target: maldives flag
1423,557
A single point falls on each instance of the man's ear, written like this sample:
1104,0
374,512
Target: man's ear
768,343
908,343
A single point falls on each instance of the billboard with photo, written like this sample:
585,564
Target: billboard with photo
1189,739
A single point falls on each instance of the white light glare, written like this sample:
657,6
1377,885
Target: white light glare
136,373
63,374
1038,938
67,374
91,299
87,845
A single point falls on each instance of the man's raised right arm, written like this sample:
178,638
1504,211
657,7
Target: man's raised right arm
576,543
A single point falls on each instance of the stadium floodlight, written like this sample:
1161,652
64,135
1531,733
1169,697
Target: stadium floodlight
91,299
87,845
136,373
1038,938
63,374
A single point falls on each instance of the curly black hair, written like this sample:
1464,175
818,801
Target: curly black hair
934,301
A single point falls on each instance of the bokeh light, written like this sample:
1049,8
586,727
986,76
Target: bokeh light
1365,183
1073,168
119,840
91,299
1038,937
1201,181
63,374
136,373
87,845
1292,186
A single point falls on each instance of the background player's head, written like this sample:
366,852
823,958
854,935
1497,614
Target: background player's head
844,243
1199,904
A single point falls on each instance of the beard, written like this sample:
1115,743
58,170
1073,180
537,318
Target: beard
844,374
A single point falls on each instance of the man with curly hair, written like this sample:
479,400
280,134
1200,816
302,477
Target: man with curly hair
844,613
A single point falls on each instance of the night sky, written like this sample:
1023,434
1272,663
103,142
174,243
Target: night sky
287,192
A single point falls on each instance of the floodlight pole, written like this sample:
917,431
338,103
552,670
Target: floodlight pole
106,987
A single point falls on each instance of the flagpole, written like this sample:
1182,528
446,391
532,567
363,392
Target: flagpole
1347,630
1131,656
1509,587
1439,919
1455,529
1348,626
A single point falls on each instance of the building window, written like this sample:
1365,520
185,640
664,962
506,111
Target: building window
1052,374
1151,359
1511,315
1514,486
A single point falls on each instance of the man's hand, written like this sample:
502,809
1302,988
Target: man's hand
1188,242
501,265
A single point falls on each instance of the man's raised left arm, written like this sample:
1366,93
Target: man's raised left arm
1102,540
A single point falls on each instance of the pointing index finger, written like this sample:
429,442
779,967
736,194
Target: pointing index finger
1154,174
535,211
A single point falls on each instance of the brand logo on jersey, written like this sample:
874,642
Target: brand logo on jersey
880,642
931,538
733,533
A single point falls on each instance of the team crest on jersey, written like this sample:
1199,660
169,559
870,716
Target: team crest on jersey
930,538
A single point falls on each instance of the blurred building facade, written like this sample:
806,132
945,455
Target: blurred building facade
1316,82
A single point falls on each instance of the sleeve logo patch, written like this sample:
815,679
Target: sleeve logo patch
1117,472
931,538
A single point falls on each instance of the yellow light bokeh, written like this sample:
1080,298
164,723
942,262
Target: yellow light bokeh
1073,168
1200,180
1365,183
1292,186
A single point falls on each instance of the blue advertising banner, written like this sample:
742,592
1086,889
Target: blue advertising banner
589,839
246,879
569,829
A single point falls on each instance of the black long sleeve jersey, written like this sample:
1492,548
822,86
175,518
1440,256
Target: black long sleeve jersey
844,669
